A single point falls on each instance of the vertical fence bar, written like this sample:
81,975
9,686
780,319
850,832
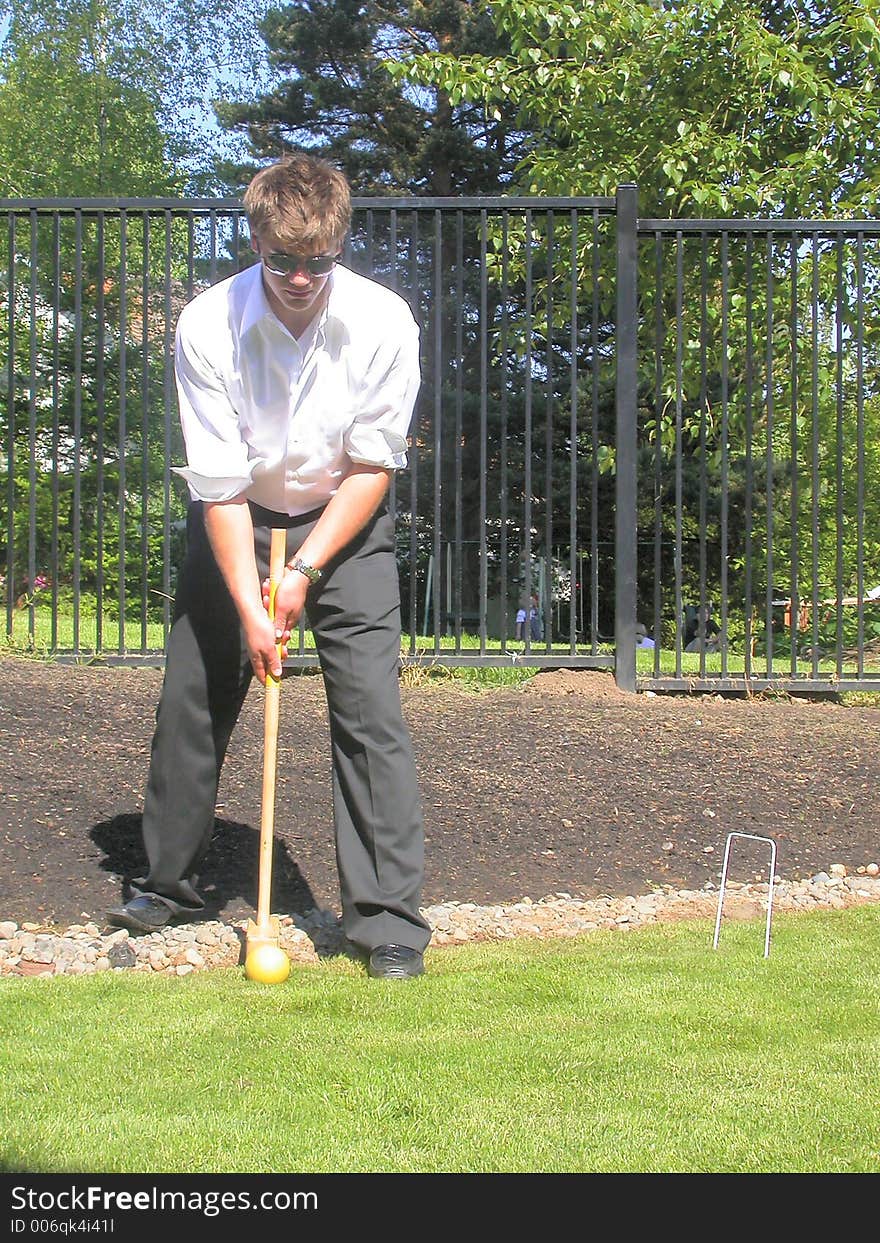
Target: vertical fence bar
32,432
860,452
503,465
458,481
626,496
392,281
77,423
235,242
369,255
415,440
123,387
596,364
190,257
750,373
839,514
10,423
547,586
679,381
795,451
658,449
146,293
212,238
100,415
56,415
814,457
168,407
704,401
484,438
438,420
527,435
392,248
768,455
725,443
574,563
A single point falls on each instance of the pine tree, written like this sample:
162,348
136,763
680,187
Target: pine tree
337,98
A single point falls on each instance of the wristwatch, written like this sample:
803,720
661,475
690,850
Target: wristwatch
312,574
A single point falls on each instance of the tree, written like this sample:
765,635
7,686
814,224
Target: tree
336,97
112,97
723,106
99,98
71,120
717,109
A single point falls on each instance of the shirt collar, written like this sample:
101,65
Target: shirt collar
256,306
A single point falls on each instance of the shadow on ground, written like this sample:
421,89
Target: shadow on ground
229,879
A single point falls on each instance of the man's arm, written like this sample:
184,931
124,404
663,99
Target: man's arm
231,532
348,511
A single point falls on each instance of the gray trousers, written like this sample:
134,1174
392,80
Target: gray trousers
354,612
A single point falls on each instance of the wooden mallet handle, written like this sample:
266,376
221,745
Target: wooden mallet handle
272,705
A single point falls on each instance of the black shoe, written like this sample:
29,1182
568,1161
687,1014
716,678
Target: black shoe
145,913
395,962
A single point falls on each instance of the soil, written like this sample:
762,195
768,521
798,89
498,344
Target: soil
565,785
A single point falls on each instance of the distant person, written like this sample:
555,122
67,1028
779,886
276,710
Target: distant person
532,617
643,639
702,633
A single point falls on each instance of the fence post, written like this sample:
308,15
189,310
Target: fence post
625,535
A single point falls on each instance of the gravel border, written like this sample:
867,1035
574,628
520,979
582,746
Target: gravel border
180,950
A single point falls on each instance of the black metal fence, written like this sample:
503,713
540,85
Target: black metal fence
759,452
629,419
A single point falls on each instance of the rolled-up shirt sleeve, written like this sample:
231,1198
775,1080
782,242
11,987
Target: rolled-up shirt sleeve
217,463
378,434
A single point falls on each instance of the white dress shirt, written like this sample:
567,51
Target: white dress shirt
280,420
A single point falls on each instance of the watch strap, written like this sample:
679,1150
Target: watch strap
302,567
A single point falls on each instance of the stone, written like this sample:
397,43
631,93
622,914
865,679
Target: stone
121,954
25,967
205,946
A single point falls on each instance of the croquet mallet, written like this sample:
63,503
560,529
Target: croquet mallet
266,931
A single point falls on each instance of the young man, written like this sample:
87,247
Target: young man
296,383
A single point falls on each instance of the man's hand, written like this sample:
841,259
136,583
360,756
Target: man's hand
290,600
231,533
259,636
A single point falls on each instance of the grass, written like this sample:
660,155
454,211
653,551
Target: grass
639,1052
426,670
40,642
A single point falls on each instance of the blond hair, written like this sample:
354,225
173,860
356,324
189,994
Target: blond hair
302,201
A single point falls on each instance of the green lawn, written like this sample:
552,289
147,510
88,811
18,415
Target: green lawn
427,664
80,634
643,1051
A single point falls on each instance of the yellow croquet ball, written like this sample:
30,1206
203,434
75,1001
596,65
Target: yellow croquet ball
267,964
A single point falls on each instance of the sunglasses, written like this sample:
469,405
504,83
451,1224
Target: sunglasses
280,264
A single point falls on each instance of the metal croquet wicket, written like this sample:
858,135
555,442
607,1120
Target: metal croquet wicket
752,838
